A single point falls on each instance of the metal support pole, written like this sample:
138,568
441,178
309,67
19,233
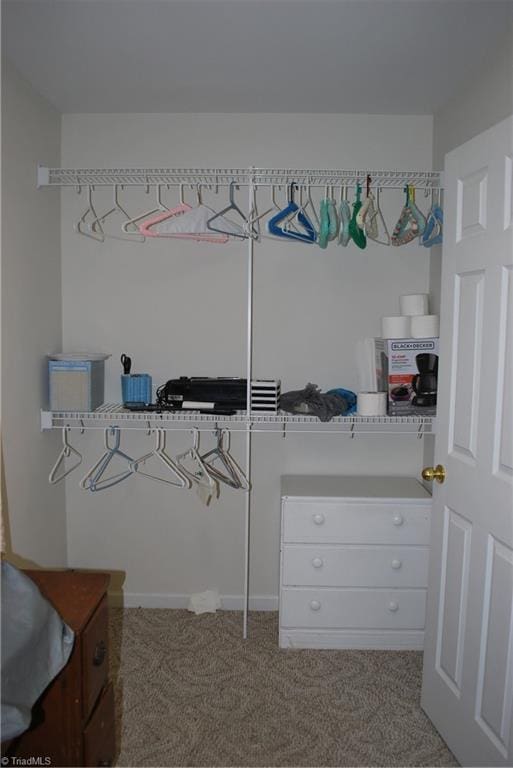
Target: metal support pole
249,366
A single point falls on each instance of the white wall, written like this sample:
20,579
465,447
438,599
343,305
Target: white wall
31,321
484,102
179,309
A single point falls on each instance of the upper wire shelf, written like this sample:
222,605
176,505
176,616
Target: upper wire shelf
111,414
77,177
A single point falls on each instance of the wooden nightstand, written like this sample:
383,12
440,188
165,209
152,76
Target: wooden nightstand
73,721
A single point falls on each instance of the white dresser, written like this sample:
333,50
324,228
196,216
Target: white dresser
354,562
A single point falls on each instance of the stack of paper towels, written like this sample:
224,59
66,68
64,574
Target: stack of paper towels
414,322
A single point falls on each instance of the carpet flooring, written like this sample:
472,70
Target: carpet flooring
191,692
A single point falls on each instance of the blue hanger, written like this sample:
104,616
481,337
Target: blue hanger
309,236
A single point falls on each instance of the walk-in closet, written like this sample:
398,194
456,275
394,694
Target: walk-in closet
257,444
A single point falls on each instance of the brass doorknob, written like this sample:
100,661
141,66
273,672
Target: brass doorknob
434,473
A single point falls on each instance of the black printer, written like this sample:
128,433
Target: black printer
203,392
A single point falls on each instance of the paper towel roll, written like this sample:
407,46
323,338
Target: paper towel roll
397,327
425,326
372,403
414,304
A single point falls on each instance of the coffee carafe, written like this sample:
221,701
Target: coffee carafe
425,382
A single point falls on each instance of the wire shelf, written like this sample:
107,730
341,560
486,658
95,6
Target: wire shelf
77,177
114,414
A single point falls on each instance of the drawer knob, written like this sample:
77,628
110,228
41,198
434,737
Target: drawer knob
396,564
398,519
315,605
318,518
393,606
317,562
99,654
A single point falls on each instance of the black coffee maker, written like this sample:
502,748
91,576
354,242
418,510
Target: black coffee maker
424,383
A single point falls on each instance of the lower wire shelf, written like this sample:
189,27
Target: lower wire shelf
114,414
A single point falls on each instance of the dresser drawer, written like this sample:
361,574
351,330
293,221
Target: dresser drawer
353,608
356,523
99,733
354,566
95,661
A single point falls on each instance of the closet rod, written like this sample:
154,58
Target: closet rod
76,177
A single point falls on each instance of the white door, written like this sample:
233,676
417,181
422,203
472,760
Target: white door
468,661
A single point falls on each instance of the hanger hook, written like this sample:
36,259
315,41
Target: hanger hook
65,431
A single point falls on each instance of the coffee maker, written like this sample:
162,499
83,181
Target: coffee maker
424,383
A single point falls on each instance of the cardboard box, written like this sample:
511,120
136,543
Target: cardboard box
407,369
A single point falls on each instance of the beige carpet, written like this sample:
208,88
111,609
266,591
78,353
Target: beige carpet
191,692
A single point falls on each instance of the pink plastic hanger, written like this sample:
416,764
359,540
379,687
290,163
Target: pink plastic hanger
146,227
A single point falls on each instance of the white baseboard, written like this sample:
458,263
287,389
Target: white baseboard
167,600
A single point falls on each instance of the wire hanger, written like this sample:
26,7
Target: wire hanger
308,235
220,218
310,204
66,452
93,481
433,233
160,208
411,222
255,217
367,208
200,476
82,226
235,477
374,219
225,446
117,208
184,223
159,452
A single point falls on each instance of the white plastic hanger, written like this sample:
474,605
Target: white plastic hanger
159,452
93,480
66,452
